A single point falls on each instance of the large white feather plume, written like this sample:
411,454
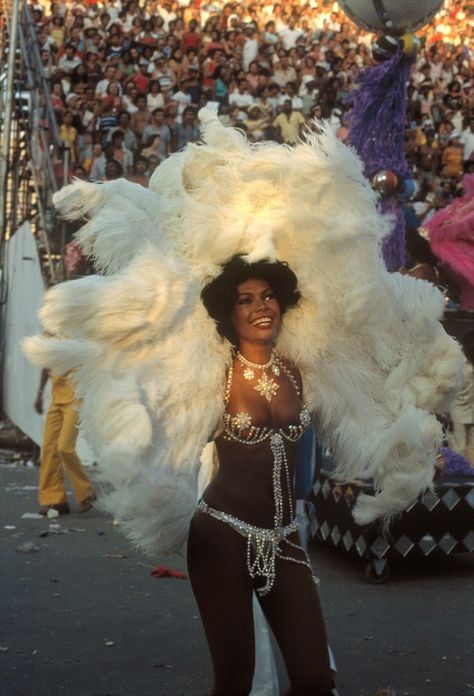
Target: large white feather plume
151,367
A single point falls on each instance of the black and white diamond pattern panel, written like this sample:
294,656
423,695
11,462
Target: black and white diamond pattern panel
440,521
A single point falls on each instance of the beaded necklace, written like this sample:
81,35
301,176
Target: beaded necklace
265,386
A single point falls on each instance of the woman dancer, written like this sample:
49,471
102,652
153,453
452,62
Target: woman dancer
243,535
157,381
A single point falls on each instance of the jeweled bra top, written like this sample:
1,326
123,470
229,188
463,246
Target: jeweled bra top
238,427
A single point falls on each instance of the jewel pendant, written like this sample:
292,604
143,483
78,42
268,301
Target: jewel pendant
266,387
249,373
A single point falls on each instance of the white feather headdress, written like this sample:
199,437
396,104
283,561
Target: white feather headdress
151,367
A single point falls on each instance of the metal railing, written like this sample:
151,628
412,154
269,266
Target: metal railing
33,158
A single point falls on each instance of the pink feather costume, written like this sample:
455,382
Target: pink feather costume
451,235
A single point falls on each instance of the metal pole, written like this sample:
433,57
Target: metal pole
7,118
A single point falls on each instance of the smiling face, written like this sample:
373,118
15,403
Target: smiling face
256,315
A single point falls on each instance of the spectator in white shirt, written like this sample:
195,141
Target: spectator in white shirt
289,92
241,96
250,47
289,35
167,14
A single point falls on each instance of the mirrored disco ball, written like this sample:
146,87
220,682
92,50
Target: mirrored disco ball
391,16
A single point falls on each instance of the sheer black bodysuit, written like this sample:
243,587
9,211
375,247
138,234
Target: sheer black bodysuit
243,537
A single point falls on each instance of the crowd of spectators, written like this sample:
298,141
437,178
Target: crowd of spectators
128,78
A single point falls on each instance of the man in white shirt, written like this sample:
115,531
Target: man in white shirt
289,35
241,97
167,14
289,92
250,47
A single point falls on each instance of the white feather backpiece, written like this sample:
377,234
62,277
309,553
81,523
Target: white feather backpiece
151,367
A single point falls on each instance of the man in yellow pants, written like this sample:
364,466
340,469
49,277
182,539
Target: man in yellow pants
58,452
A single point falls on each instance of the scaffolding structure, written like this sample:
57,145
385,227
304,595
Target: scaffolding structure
31,152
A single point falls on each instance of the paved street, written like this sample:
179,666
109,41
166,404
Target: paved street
82,616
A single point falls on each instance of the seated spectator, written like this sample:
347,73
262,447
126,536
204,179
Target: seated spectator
182,97
58,32
153,162
250,47
263,101
121,153
289,124
193,86
125,66
58,99
269,36
190,60
147,36
129,137
284,72
113,96
161,72
109,76
241,97
70,59
141,117
310,99
47,65
95,154
78,172
256,123
289,92
253,78
427,158
191,38
154,98
107,120
452,158
79,77
221,78
92,65
113,170
139,175
153,147
175,64
115,47
68,136
130,97
101,155
173,120
188,131
140,78
157,126
167,14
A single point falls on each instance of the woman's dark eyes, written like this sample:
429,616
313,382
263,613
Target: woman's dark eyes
248,300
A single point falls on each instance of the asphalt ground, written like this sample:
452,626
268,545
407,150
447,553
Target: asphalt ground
81,614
